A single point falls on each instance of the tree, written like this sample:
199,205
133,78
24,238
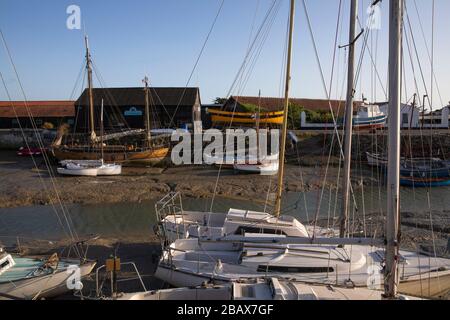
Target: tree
219,100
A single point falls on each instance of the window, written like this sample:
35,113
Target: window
405,118
39,122
263,268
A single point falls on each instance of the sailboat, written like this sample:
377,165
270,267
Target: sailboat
30,278
269,289
341,261
262,166
91,167
153,150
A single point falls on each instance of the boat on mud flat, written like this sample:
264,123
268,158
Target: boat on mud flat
262,168
147,149
72,169
369,117
29,152
90,169
29,278
415,182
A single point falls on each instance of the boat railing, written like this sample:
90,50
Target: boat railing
170,204
98,289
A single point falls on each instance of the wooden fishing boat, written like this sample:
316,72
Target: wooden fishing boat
149,151
226,117
369,117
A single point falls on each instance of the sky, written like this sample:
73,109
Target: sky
163,38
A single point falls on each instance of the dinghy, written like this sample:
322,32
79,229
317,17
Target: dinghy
29,278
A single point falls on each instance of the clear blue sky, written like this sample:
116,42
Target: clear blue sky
162,38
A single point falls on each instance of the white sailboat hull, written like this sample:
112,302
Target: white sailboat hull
192,262
264,169
82,172
109,170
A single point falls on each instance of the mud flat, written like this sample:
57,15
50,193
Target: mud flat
24,185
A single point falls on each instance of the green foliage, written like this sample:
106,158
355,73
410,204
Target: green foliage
219,100
249,107
295,111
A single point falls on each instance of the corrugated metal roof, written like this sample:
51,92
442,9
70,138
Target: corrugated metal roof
50,109
136,96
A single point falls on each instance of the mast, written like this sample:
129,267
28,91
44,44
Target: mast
102,131
147,112
286,111
393,181
90,91
349,120
258,120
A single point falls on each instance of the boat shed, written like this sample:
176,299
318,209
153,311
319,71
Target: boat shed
124,108
46,114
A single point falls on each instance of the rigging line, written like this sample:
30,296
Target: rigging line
325,88
427,48
373,63
329,94
365,48
32,156
267,18
78,110
198,60
256,39
38,138
417,55
77,80
109,97
253,55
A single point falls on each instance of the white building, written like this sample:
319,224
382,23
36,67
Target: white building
410,115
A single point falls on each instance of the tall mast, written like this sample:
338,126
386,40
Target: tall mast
393,181
90,90
102,131
147,112
349,120
286,111
258,123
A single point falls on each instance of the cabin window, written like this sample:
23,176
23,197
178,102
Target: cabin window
245,229
4,264
289,269
39,122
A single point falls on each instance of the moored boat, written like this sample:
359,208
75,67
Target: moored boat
369,117
29,278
